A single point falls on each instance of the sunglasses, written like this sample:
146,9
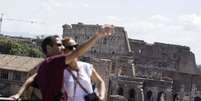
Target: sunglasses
72,47
59,44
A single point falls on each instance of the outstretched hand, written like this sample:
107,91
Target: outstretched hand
101,98
15,97
106,30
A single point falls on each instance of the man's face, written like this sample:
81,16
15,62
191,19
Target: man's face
57,47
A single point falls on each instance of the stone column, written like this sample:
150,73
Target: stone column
168,94
140,94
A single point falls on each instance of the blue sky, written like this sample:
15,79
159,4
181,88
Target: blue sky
168,21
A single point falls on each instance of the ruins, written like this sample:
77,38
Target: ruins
133,70
142,71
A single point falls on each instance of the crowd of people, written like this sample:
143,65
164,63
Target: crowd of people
61,76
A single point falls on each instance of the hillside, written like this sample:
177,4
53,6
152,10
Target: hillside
21,47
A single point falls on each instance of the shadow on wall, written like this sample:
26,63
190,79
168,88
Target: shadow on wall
197,99
149,96
131,95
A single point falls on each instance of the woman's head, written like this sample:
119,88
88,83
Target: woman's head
69,44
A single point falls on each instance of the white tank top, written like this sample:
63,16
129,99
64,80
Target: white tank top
85,72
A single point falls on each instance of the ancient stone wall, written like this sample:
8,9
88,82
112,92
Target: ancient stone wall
10,81
154,88
102,66
130,89
167,71
163,56
116,44
185,86
123,66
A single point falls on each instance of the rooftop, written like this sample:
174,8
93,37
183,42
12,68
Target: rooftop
18,63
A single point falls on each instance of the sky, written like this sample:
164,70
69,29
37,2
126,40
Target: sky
167,21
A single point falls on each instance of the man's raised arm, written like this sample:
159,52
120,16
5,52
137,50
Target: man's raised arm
104,31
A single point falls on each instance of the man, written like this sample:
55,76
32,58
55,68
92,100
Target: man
84,73
49,77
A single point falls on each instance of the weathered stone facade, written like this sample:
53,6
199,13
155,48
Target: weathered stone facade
158,72
81,32
168,62
13,72
102,66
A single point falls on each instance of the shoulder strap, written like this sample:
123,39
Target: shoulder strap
75,78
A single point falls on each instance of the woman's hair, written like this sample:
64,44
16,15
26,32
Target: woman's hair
66,40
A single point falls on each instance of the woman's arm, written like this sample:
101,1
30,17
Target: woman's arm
101,84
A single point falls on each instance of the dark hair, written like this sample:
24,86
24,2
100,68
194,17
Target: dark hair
48,41
66,40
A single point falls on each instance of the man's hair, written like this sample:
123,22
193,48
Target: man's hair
48,41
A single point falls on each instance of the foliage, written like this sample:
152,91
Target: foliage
9,46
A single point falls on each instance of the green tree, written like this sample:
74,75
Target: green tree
8,46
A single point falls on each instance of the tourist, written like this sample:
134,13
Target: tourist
49,77
78,76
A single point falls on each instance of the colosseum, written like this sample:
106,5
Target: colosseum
141,71
133,70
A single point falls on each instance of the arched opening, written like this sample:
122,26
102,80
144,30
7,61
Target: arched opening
175,97
161,96
131,95
149,96
197,99
120,91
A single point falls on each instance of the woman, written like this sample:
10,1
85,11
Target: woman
84,73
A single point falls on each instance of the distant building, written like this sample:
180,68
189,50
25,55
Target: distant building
142,71
13,72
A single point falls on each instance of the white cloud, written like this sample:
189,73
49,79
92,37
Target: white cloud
191,22
159,18
64,4
85,5
51,5
46,6
113,19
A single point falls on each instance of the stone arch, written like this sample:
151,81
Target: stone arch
120,91
197,99
104,41
149,96
161,96
131,94
175,97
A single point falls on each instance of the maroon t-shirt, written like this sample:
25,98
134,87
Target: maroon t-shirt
50,78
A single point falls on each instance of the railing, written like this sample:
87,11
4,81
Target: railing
8,99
